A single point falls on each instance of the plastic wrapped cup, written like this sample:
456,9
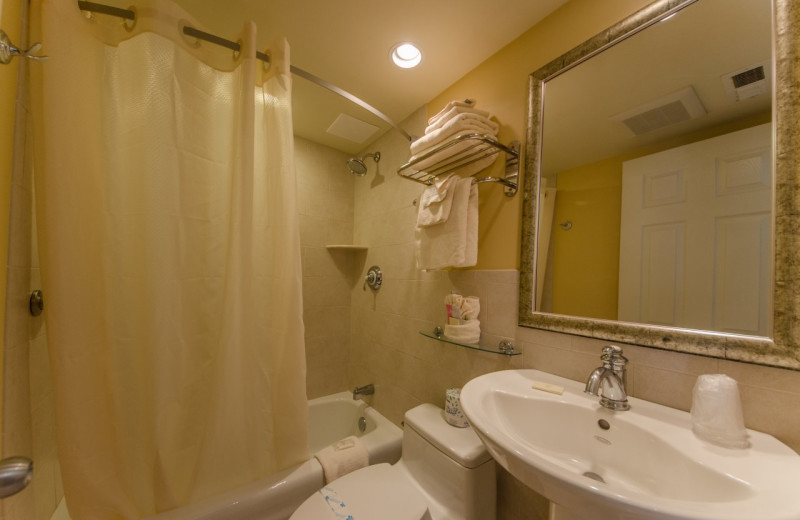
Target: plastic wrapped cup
452,409
717,411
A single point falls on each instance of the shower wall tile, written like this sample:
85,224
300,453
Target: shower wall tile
20,219
325,204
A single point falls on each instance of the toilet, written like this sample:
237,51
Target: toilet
444,473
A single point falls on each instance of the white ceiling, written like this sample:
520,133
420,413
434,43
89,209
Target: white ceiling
348,42
695,48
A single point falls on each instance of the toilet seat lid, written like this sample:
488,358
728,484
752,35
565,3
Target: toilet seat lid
378,491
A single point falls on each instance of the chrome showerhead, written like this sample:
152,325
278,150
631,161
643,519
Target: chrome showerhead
358,167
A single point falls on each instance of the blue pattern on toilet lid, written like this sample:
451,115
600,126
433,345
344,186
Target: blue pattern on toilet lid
375,492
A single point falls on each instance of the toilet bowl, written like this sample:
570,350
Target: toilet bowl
444,473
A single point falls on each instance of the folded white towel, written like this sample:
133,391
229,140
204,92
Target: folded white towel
342,457
451,152
469,332
455,241
461,124
453,112
436,201
447,107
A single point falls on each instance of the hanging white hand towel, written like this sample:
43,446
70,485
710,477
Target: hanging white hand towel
471,238
454,242
436,201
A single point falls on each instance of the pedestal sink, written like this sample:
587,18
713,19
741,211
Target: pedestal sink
644,463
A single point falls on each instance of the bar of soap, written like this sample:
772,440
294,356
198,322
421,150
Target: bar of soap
547,387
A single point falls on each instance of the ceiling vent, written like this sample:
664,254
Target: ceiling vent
747,83
352,129
662,112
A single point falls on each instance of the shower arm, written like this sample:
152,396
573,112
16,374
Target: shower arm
129,14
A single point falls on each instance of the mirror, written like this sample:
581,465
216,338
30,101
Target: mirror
648,215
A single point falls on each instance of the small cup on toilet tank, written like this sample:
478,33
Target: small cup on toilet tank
452,409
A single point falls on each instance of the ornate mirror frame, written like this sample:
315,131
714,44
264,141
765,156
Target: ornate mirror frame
783,349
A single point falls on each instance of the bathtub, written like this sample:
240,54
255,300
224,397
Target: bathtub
330,418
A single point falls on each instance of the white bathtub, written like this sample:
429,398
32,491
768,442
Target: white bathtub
330,418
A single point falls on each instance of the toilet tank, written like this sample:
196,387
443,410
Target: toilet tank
450,464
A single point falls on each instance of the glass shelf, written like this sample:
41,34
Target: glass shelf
506,348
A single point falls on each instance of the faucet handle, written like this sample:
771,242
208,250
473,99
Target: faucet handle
612,357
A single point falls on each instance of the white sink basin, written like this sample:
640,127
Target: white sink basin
647,463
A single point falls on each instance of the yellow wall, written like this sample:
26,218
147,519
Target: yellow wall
500,85
586,257
10,11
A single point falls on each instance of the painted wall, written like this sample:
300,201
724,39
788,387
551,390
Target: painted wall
586,257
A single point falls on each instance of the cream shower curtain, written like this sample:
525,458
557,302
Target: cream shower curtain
169,245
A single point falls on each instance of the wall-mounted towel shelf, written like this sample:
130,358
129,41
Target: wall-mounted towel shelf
505,347
466,149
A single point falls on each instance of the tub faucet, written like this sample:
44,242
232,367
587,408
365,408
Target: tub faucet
608,381
363,390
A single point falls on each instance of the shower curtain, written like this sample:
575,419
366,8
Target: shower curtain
169,247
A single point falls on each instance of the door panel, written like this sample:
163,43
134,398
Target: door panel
695,235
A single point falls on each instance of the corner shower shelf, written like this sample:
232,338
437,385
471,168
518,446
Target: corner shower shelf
474,148
504,348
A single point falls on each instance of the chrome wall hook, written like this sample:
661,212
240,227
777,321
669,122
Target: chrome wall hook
8,50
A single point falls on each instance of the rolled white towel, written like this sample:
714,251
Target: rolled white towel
342,457
470,308
447,107
461,124
469,332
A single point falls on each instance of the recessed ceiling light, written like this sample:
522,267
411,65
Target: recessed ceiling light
406,55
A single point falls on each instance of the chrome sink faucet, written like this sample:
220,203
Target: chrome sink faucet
363,390
608,381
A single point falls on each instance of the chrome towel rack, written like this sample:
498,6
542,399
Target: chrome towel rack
479,147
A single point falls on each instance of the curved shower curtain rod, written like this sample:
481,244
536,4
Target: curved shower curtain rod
129,14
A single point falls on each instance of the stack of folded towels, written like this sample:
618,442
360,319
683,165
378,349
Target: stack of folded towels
447,222
457,118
